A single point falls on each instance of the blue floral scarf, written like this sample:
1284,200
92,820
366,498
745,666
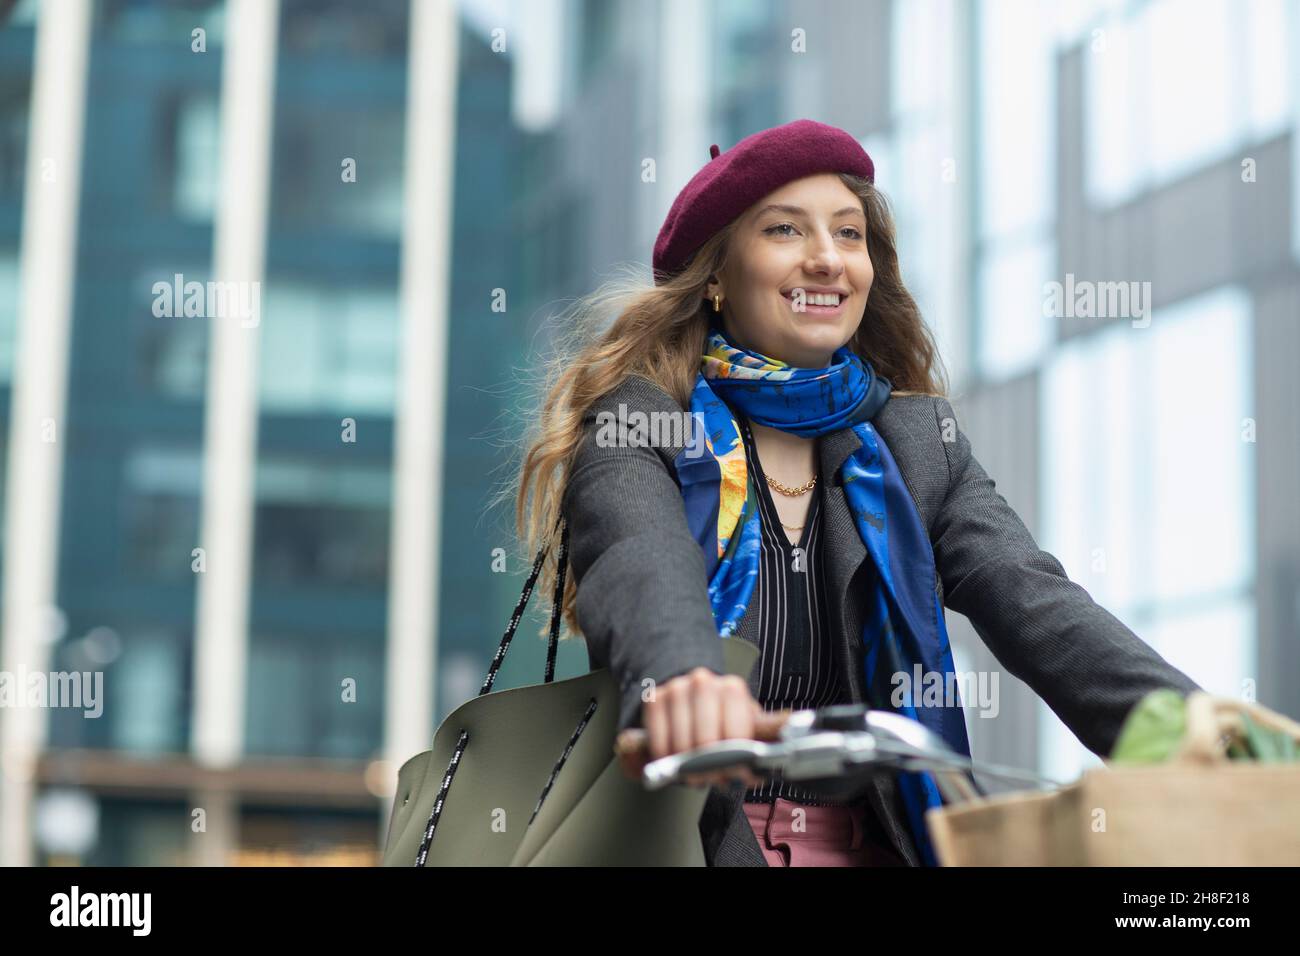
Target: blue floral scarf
905,623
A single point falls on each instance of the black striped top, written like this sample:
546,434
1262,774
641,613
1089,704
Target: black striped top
797,665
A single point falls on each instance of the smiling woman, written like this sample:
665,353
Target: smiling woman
778,317
793,281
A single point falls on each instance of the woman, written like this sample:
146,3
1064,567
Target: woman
826,511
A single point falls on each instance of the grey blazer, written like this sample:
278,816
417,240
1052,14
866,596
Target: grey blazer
643,605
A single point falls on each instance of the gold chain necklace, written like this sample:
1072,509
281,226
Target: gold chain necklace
792,492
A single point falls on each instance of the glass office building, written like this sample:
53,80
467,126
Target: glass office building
307,783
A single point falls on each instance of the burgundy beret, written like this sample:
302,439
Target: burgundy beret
733,181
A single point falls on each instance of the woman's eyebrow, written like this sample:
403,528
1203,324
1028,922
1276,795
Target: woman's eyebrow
800,211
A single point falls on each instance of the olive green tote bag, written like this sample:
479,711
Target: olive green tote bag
528,776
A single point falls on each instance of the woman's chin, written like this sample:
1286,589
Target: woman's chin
819,339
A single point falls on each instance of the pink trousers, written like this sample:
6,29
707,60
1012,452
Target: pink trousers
795,834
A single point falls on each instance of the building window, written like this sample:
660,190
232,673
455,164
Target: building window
1148,489
1015,251
1017,104
310,191
131,21
192,148
1171,87
170,353
143,689
1014,333
313,695
162,489
596,26
324,526
328,349
345,29
15,97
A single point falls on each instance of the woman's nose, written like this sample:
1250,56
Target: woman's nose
824,258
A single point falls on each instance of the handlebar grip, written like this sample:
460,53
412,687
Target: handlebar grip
632,746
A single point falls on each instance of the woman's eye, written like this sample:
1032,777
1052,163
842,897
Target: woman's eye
773,230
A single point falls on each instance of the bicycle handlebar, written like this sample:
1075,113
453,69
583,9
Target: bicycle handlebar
833,750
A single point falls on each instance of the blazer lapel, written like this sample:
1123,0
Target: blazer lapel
843,548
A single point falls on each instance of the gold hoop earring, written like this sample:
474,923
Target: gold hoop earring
717,303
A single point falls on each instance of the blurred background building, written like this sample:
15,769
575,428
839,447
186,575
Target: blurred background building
1020,142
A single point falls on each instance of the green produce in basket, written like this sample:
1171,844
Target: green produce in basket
1154,729
1267,745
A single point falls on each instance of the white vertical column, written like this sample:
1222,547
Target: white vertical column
420,414
684,97
536,36
230,426
36,424
957,286
1293,78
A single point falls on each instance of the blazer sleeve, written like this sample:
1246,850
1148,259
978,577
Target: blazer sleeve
1041,626
642,600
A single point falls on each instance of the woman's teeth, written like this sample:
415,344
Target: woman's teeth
817,298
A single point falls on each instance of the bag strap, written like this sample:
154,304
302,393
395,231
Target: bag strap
422,854
552,643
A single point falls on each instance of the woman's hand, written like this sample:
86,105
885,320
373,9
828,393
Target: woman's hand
693,710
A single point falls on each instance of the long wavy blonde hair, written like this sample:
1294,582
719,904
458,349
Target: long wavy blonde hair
659,332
